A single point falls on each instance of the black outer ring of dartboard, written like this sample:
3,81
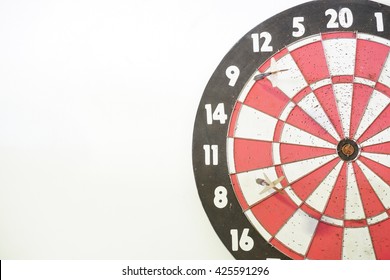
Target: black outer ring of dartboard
218,91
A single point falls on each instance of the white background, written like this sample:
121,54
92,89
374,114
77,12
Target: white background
97,105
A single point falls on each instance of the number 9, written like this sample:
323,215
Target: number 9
232,72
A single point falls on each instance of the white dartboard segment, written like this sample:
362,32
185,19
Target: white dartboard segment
291,81
294,135
383,159
343,94
385,74
354,209
381,137
380,187
340,55
298,232
253,124
313,108
357,244
319,198
252,191
376,105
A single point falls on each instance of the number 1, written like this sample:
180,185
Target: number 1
379,22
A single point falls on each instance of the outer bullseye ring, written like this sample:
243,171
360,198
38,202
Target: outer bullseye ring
348,150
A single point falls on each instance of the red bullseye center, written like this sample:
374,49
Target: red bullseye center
348,150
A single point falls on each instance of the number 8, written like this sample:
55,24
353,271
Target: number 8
220,197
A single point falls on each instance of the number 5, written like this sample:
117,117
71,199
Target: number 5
300,28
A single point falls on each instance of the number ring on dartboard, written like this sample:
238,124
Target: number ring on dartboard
299,166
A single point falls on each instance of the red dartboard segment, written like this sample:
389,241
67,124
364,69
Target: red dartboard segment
246,154
377,104
326,98
290,152
361,96
327,242
336,203
279,173
237,190
307,184
274,212
311,211
370,58
383,88
300,119
380,124
382,148
278,131
294,171
233,119
381,239
266,98
371,203
355,223
267,64
286,250
338,35
311,61
300,95
342,79
379,182
380,170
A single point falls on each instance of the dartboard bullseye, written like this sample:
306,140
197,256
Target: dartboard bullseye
291,146
348,149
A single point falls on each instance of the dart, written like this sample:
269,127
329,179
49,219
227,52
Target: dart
266,74
270,185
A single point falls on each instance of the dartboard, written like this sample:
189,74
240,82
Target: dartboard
291,138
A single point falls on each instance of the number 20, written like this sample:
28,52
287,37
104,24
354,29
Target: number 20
344,18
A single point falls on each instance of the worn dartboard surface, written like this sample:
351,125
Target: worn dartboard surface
291,141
